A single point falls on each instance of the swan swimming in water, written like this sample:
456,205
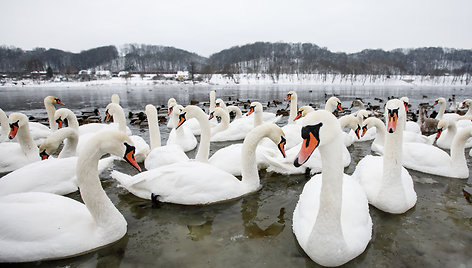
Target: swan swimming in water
331,220
42,226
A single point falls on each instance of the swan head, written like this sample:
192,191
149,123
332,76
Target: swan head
394,112
322,128
303,111
190,111
111,109
170,105
150,109
406,102
54,140
291,95
61,116
53,100
440,100
255,107
115,98
362,115
442,124
274,133
219,112
466,103
334,102
220,103
16,121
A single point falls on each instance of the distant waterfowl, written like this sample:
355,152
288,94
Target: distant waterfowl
331,220
43,226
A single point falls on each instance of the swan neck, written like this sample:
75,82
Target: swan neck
204,146
27,144
331,195
51,110
154,132
100,206
72,120
293,109
212,101
392,158
5,124
458,147
249,172
257,118
119,118
442,110
70,145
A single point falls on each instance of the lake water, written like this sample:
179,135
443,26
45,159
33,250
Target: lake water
256,230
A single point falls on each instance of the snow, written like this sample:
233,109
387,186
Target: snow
259,79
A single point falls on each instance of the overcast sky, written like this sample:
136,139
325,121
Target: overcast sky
209,26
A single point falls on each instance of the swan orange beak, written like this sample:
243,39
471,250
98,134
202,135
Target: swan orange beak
182,120
170,110
13,130
311,140
217,105
463,105
339,107
58,101
211,116
288,96
281,146
358,131
107,116
436,102
406,106
251,110
59,123
129,156
438,134
364,130
43,155
299,115
392,120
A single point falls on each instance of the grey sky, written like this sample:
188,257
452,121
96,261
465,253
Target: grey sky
208,26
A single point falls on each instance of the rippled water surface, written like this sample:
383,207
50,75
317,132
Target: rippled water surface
256,230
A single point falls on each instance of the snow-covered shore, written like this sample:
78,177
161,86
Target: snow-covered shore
263,79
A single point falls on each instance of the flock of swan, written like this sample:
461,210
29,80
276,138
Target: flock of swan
331,220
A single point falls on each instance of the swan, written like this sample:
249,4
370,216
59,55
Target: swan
198,183
370,133
49,102
388,185
409,125
170,106
212,100
237,112
432,160
115,98
467,103
142,148
260,116
62,227
447,129
226,131
52,175
182,136
21,153
161,155
442,109
292,96
331,220
332,104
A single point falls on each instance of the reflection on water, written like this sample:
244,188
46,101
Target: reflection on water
256,230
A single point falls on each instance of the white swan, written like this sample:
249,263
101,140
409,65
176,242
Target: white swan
115,98
409,125
182,136
49,102
442,110
388,186
292,96
226,131
195,182
16,155
368,135
235,109
447,130
62,227
332,104
142,148
170,106
161,155
331,220
467,103
52,175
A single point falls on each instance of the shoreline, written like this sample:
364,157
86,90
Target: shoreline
259,79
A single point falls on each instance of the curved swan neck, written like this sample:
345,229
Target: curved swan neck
71,140
331,195
72,120
51,110
249,173
224,124
293,109
212,101
442,110
5,124
204,146
27,144
257,118
154,132
101,208
119,117
458,146
236,110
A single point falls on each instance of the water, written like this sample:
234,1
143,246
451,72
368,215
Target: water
256,230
